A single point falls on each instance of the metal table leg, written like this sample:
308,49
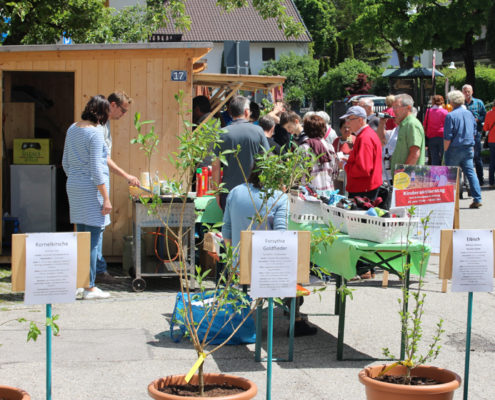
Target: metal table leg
340,300
259,332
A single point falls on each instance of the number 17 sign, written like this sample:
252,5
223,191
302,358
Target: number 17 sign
179,76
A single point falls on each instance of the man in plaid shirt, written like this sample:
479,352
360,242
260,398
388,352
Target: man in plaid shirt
478,110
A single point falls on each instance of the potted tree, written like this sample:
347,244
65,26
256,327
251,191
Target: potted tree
410,378
226,302
12,393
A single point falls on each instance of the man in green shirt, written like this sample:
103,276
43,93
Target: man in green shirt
410,148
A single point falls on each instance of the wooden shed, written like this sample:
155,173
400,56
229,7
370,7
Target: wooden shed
46,87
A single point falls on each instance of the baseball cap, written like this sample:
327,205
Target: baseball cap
358,111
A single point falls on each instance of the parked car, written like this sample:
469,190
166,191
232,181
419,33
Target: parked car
379,101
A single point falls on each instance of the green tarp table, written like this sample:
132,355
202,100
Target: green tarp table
343,254
207,210
341,257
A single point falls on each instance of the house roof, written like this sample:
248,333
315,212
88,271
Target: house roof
209,22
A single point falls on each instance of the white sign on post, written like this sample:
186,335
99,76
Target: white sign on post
274,264
51,268
472,261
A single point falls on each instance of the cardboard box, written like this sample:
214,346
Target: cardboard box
32,151
212,242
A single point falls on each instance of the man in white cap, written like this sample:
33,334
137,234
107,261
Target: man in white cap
364,166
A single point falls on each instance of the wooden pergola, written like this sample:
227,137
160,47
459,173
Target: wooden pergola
229,84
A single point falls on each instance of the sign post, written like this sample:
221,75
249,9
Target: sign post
273,262
472,271
49,267
273,274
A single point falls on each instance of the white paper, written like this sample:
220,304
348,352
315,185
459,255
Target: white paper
274,264
472,260
51,268
441,217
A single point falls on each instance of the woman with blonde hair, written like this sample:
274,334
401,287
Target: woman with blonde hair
390,123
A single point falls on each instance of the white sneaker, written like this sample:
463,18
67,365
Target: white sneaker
95,294
79,293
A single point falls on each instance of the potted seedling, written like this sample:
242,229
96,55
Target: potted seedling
12,393
225,306
411,378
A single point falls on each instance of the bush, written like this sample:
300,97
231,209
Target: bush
485,81
301,73
333,84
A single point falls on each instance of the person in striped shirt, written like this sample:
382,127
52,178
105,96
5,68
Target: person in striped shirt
88,180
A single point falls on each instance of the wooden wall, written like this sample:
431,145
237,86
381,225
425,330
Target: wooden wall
145,74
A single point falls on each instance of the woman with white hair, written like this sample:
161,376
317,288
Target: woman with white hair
458,135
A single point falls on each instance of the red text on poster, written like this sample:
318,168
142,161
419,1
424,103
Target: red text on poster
420,196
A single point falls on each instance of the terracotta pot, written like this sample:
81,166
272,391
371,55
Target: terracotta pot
12,393
376,390
249,386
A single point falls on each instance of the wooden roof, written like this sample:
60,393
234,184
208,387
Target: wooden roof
229,84
240,82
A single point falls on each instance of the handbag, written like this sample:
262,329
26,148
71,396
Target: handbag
232,312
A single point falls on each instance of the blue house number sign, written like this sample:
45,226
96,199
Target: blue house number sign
180,76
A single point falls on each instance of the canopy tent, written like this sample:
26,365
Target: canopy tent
408,80
229,84
410,73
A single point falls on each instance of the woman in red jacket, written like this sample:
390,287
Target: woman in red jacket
489,127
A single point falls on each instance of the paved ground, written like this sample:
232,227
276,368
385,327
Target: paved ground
111,349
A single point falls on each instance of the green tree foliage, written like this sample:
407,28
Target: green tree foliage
89,21
86,21
347,46
410,27
390,22
490,33
301,73
485,78
319,17
456,25
327,20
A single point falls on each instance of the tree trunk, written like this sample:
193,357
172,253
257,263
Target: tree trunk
404,61
468,54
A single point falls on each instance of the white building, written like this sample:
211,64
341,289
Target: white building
210,23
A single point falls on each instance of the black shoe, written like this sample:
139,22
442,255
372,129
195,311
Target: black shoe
303,328
301,315
105,277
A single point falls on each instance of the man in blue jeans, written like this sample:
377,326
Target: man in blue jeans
459,140
478,110
119,105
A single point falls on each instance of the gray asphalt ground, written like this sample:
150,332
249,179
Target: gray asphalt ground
112,349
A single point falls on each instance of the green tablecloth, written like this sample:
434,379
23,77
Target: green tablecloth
341,257
207,210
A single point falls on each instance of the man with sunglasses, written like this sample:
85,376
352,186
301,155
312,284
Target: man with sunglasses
364,166
410,147
119,105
